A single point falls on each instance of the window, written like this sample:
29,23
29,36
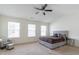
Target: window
43,30
31,30
13,29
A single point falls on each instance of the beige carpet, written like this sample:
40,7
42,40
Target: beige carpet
68,50
38,49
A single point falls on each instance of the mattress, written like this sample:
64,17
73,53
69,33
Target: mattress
52,46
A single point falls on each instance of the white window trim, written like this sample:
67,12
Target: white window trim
43,30
34,31
18,32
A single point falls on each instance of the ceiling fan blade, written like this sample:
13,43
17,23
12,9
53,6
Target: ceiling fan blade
36,12
44,13
49,10
38,8
44,6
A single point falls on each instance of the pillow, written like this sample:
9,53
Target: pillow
0,40
56,35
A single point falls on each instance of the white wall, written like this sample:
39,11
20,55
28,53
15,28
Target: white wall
0,27
70,23
23,29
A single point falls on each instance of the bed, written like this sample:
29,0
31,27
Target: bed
58,39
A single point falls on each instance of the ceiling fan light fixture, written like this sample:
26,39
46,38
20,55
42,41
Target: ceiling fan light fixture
43,9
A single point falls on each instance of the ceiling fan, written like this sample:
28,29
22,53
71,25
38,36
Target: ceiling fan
43,8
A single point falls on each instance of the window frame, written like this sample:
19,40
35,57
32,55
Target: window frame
43,30
18,36
31,30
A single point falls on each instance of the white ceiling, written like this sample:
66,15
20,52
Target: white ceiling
27,11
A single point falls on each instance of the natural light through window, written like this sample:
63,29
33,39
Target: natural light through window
31,30
13,30
43,30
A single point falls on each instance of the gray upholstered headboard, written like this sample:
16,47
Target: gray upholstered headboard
61,32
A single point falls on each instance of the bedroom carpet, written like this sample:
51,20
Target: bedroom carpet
38,49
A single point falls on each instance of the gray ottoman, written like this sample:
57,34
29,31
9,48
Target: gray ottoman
9,46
